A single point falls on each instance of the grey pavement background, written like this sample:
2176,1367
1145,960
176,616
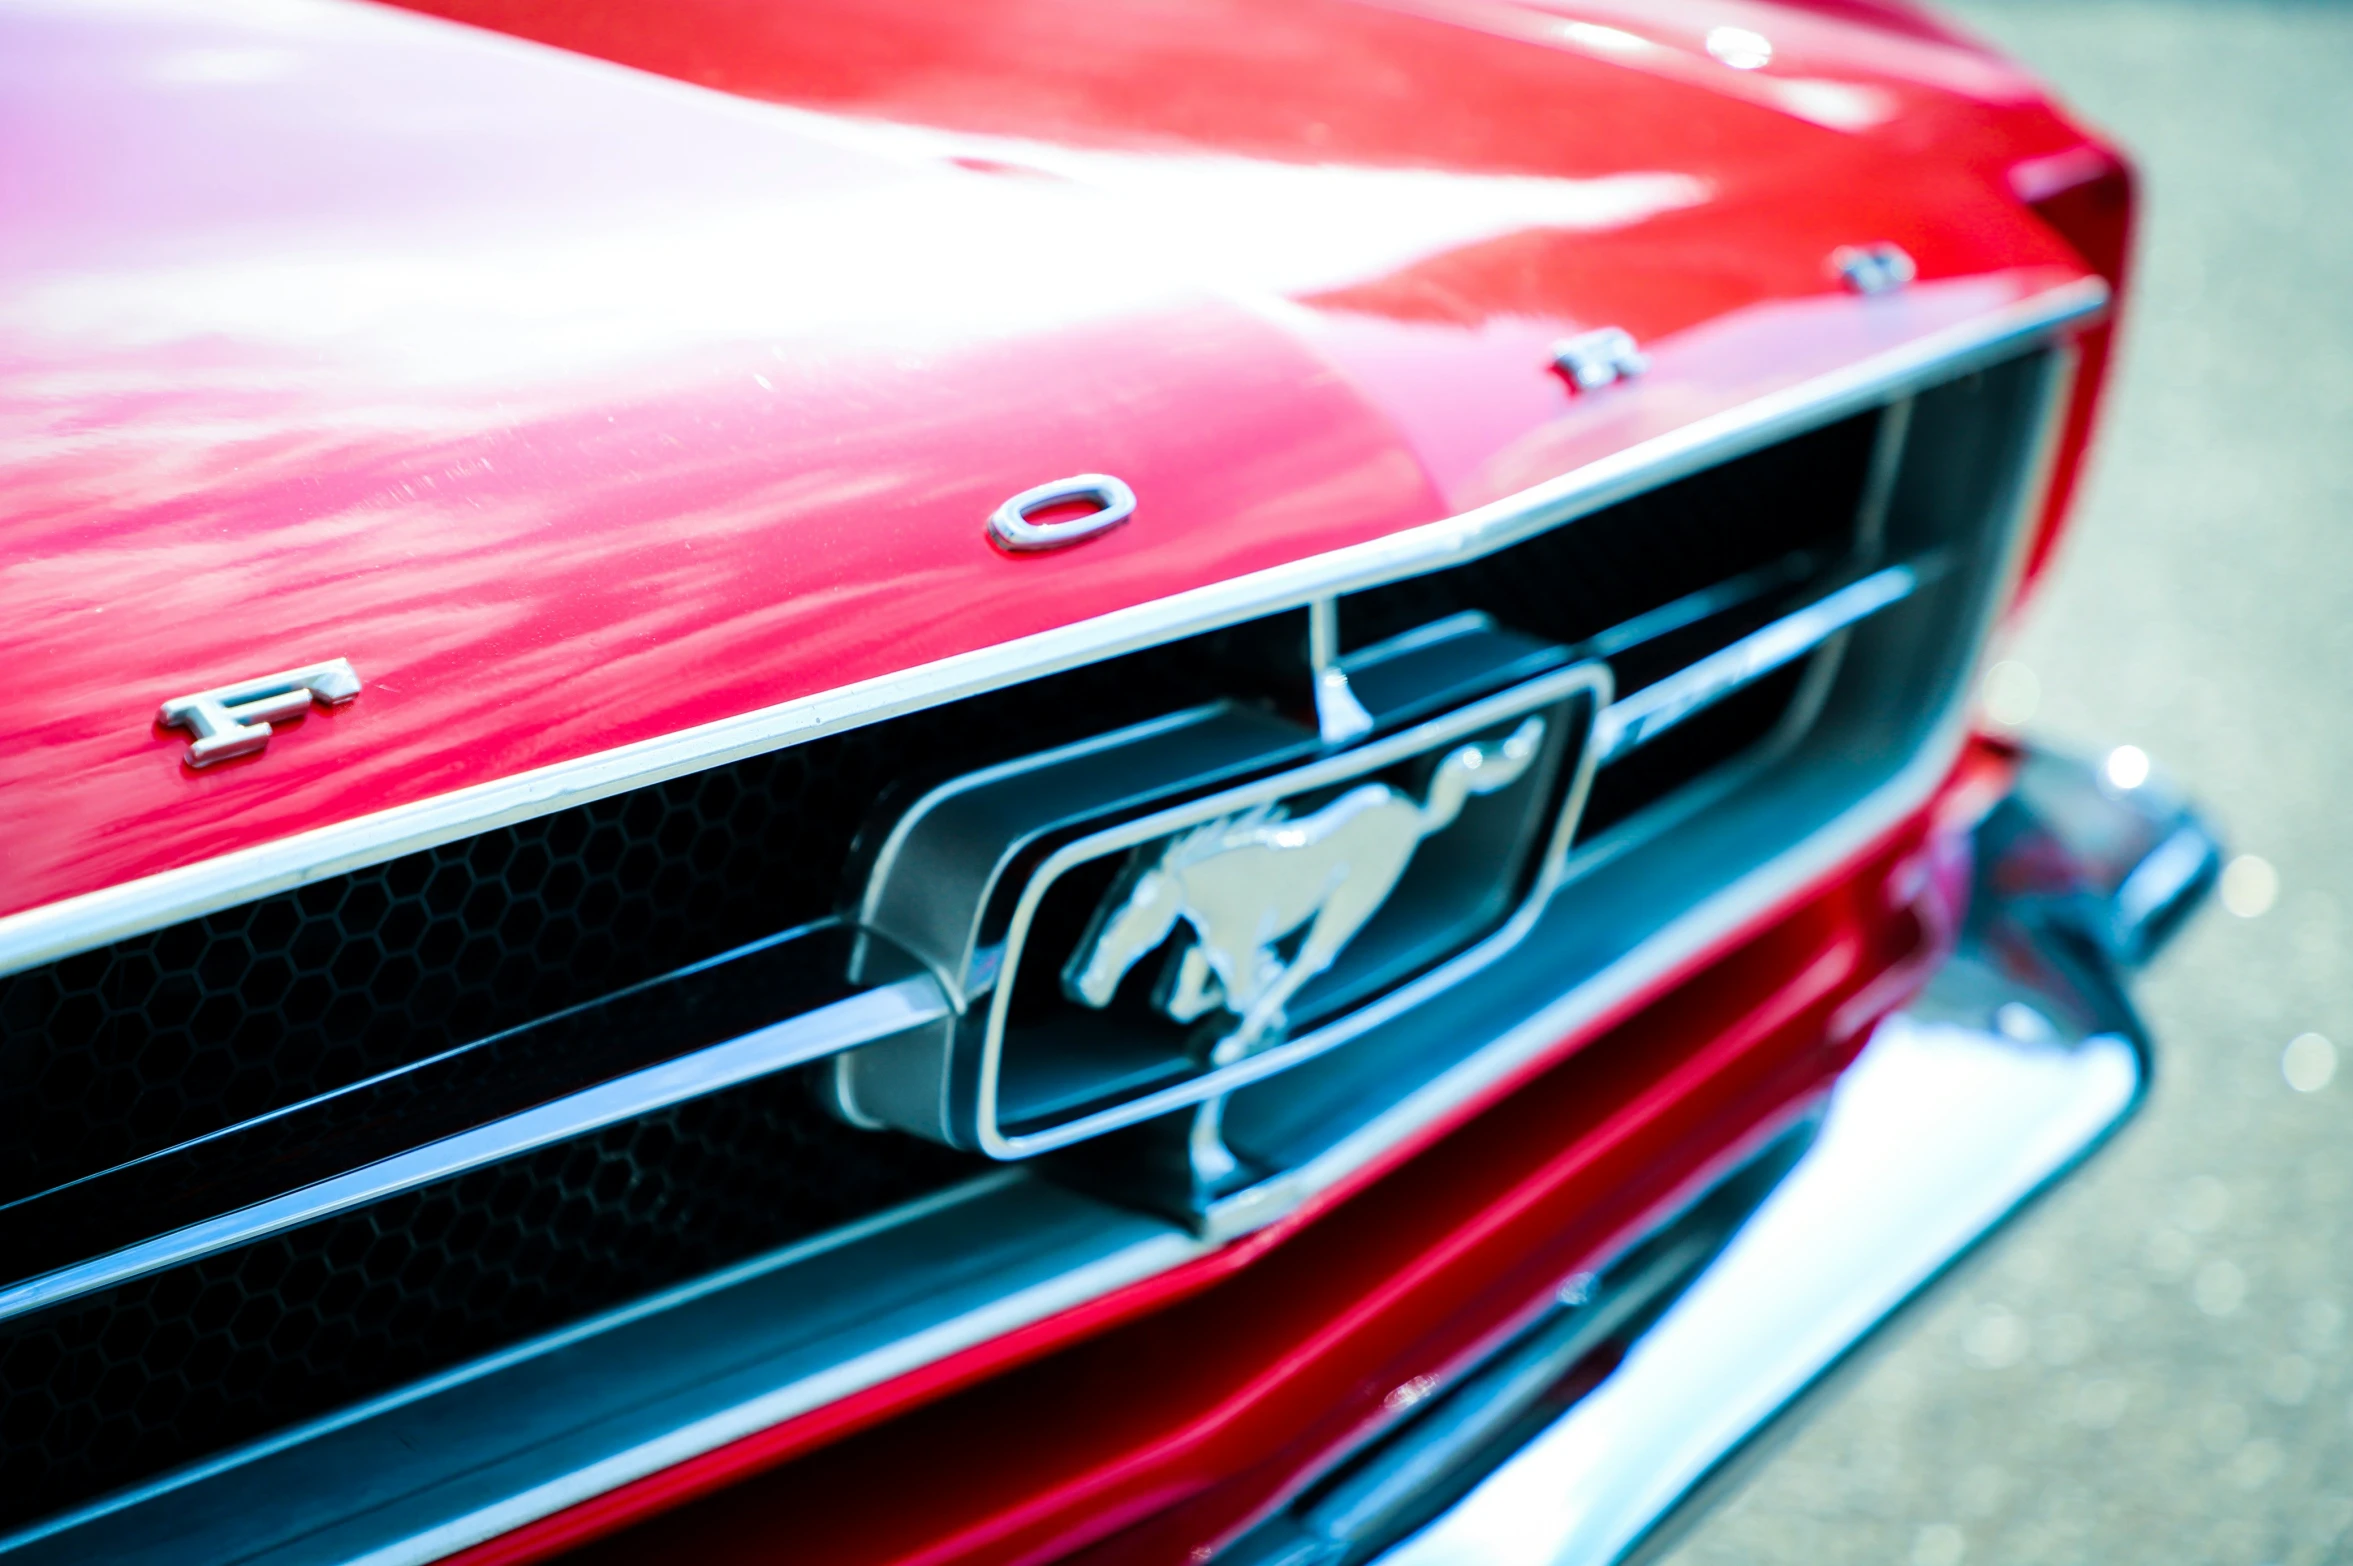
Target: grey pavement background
2157,1364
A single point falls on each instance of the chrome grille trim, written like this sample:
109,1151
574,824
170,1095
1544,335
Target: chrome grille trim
891,1009
60,929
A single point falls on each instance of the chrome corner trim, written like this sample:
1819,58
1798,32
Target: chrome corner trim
2141,856
1938,1133
859,1019
1010,525
1651,711
55,930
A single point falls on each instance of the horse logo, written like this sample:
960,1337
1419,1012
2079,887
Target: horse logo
1253,883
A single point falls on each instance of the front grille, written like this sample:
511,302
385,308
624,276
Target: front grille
141,1045
145,1376
134,1048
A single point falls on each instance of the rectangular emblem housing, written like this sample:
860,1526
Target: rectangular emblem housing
1152,918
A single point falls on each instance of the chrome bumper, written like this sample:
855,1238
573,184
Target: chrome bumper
2021,1056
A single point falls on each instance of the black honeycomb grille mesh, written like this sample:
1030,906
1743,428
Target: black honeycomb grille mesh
142,1044
117,1386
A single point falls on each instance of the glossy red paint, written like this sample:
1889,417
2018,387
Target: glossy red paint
1289,1340
2087,195
578,407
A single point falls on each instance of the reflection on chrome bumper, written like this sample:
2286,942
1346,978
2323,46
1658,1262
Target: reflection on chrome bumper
2022,1054
1938,1132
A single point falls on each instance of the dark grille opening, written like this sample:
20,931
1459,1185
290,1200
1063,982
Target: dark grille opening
1797,498
120,1385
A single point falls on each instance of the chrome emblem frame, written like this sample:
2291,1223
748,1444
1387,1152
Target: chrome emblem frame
1248,883
976,874
235,720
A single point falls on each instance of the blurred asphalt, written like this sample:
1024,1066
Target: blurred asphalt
2156,1365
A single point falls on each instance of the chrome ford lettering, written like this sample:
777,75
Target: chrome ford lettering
1011,527
234,720
1602,357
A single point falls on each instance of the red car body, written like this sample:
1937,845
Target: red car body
621,390
399,383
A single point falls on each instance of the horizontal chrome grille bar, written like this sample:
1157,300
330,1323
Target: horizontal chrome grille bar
1646,714
858,1019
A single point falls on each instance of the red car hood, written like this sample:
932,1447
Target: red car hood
576,406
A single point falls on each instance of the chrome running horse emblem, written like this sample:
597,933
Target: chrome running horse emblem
1248,883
